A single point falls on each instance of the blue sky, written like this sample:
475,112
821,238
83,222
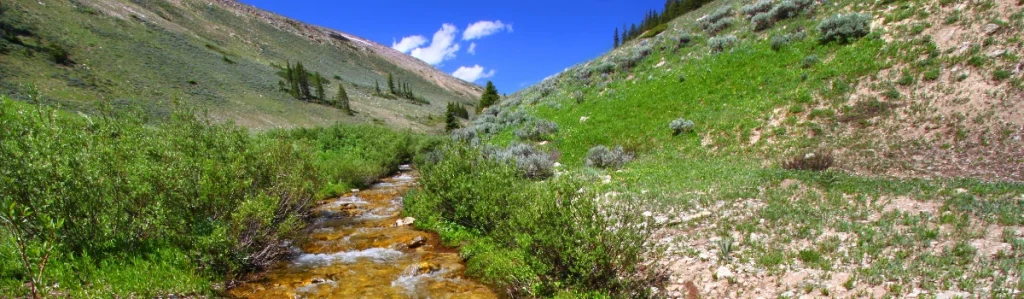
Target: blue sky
533,40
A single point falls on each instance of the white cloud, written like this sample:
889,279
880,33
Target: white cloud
473,73
441,48
408,43
484,28
472,48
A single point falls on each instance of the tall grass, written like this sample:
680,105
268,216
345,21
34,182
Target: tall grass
94,197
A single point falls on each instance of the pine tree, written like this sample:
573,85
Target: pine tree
616,45
489,97
376,87
318,82
303,80
342,100
391,84
450,122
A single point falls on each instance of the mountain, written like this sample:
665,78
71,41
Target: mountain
220,56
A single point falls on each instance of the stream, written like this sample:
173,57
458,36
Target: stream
359,246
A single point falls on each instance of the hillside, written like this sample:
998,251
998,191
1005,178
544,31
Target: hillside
220,56
794,148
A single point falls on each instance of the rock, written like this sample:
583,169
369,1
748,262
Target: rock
704,256
417,242
405,221
558,165
584,119
787,294
995,53
990,28
724,272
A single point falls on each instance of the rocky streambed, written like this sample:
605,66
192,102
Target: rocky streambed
360,247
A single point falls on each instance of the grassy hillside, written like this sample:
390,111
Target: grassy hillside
219,56
917,121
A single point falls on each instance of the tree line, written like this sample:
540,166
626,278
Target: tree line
653,19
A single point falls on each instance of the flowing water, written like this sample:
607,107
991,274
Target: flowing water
360,247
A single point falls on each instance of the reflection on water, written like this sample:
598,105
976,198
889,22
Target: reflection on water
358,249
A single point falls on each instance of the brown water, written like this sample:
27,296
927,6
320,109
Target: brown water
357,249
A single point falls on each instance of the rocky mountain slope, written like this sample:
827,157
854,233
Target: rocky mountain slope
221,56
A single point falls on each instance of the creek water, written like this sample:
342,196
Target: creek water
360,247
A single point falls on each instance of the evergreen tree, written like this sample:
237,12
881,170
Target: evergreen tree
450,122
616,44
303,80
341,100
293,82
391,84
376,87
489,97
318,82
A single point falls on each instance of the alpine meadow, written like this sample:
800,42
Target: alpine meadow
714,149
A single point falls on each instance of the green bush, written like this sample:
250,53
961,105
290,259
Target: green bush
680,126
780,41
111,186
717,20
602,157
531,162
844,28
534,239
761,6
809,61
721,43
537,130
61,55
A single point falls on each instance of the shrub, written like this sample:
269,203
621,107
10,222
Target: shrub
680,126
602,157
531,162
513,117
535,239
721,43
716,21
603,67
779,41
1001,74
465,135
761,6
684,39
817,161
222,196
537,130
786,9
762,21
577,96
61,55
809,61
844,28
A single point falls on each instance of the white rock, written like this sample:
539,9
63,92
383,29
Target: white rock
704,256
787,294
584,119
558,164
990,28
961,190
724,272
995,53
